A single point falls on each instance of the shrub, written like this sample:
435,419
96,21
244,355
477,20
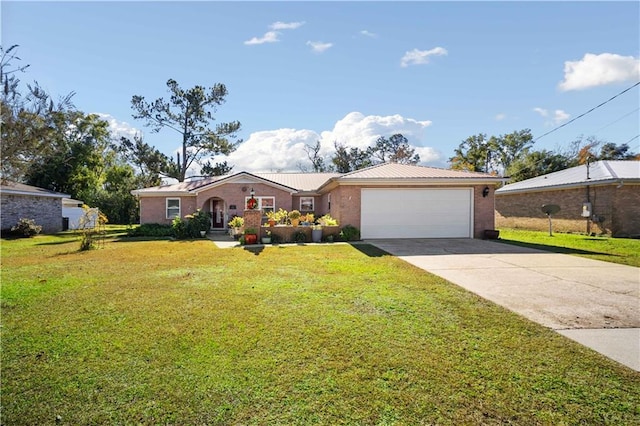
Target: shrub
200,220
26,228
275,238
191,225
300,237
91,224
350,233
151,230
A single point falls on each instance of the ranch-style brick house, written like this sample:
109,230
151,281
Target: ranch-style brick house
602,197
384,201
30,202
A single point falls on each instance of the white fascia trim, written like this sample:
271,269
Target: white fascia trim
421,182
609,182
236,179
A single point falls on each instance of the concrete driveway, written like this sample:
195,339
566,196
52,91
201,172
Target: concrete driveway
595,303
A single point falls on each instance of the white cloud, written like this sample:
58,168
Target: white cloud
283,149
500,117
416,57
119,128
543,112
268,37
286,25
368,34
318,46
559,116
598,70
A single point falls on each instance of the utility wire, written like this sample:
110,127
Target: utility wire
585,113
615,121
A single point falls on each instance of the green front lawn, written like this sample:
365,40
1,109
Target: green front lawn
168,332
625,251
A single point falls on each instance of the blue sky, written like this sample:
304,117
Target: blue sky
298,72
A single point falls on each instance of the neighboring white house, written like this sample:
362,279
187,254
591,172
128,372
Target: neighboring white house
73,211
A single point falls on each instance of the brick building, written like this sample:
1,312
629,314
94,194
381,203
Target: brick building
601,198
25,201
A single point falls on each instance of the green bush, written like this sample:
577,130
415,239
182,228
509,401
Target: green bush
350,233
300,237
275,238
26,228
151,230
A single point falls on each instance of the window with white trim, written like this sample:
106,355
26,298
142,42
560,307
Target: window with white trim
173,207
306,204
264,203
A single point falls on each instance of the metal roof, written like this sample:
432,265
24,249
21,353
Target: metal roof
299,181
408,171
600,172
311,182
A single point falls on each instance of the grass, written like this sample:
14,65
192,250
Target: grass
168,332
624,251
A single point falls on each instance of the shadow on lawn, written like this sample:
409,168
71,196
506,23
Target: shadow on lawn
369,250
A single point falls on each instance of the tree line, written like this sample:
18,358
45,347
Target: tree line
512,155
51,144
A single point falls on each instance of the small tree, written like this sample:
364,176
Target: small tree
91,225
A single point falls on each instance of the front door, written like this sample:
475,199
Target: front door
218,214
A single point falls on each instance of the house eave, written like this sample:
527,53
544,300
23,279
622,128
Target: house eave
239,175
35,194
573,185
421,181
144,194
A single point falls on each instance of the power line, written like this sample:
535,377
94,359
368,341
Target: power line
585,113
615,121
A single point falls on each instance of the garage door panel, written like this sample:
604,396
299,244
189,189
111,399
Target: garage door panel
416,213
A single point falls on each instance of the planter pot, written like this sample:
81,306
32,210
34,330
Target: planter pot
491,234
272,223
250,238
316,235
266,240
203,233
295,222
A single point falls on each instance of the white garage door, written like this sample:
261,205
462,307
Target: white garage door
417,213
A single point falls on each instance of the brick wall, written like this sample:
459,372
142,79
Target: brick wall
346,206
252,219
154,209
233,195
616,210
46,211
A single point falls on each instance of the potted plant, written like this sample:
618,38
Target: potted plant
267,238
250,236
272,218
294,217
327,220
235,226
316,233
281,216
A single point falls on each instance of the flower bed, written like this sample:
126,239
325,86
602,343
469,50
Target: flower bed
286,234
